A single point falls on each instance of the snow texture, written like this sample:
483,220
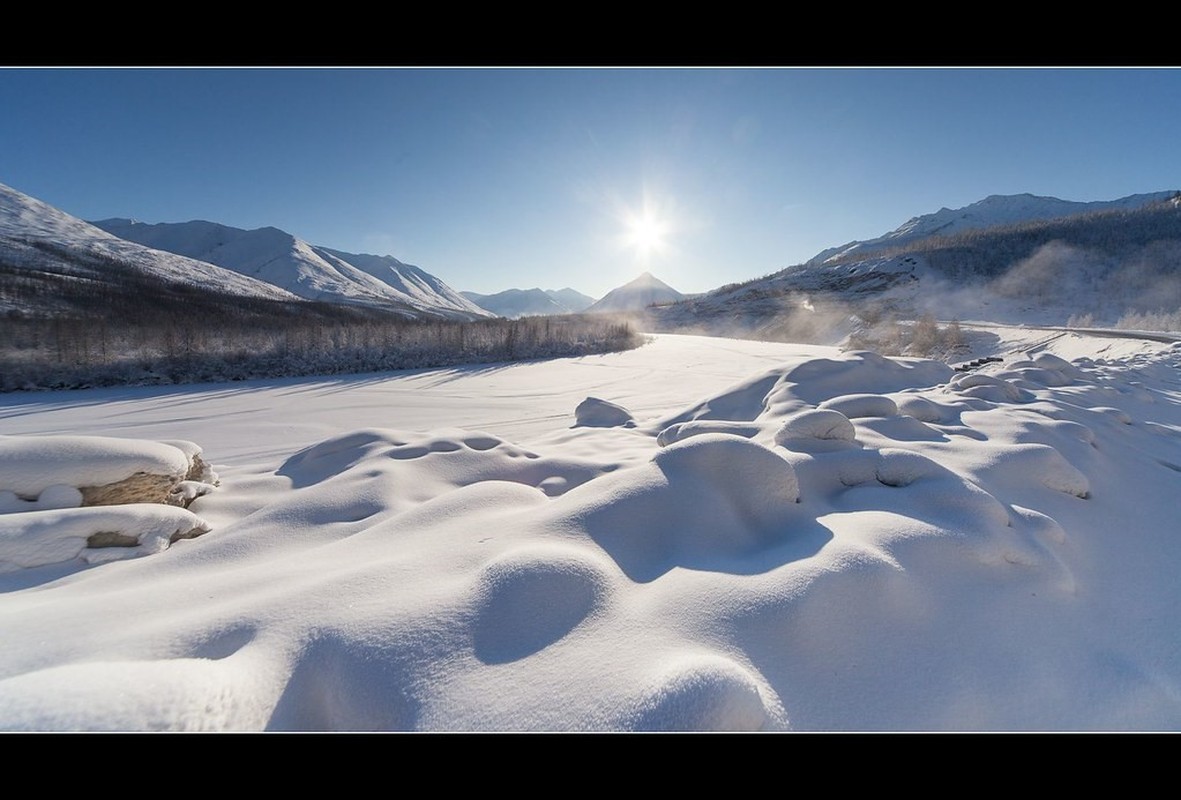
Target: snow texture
787,538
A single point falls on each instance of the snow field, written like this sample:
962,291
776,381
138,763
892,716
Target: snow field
833,543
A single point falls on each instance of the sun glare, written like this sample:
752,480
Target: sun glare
646,233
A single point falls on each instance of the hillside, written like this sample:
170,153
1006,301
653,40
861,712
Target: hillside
314,273
1105,263
51,261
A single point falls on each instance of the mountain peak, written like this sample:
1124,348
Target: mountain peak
994,210
638,294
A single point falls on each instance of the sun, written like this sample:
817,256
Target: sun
646,232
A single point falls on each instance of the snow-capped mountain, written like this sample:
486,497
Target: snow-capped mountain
1015,259
571,298
637,295
513,303
37,239
305,270
987,213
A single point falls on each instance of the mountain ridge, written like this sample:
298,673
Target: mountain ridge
305,270
992,211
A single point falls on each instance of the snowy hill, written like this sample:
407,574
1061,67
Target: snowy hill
1124,257
637,295
314,273
39,242
513,303
990,212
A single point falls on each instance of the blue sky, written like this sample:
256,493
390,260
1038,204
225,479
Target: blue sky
499,178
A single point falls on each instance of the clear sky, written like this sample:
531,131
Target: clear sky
501,178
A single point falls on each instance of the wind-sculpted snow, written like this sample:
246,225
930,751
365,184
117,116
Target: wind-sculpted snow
833,543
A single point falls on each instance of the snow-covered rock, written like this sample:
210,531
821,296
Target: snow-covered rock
598,413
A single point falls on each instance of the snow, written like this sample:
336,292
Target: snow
451,550
29,465
291,264
597,412
992,211
637,295
24,220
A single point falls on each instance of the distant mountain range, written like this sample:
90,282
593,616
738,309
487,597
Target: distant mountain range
514,303
314,273
636,295
53,262
1011,258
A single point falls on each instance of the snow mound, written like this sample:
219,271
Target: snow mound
596,413
1022,466
96,535
57,495
531,598
388,468
704,692
988,387
820,423
855,406
712,502
820,379
920,408
68,497
683,430
30,464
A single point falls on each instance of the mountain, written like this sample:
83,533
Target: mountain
994,210
314,273
1002,258
50,259
637,295
574,300
514,303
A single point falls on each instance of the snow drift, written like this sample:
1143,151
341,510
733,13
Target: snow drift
787,538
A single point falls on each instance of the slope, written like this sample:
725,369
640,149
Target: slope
314,273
